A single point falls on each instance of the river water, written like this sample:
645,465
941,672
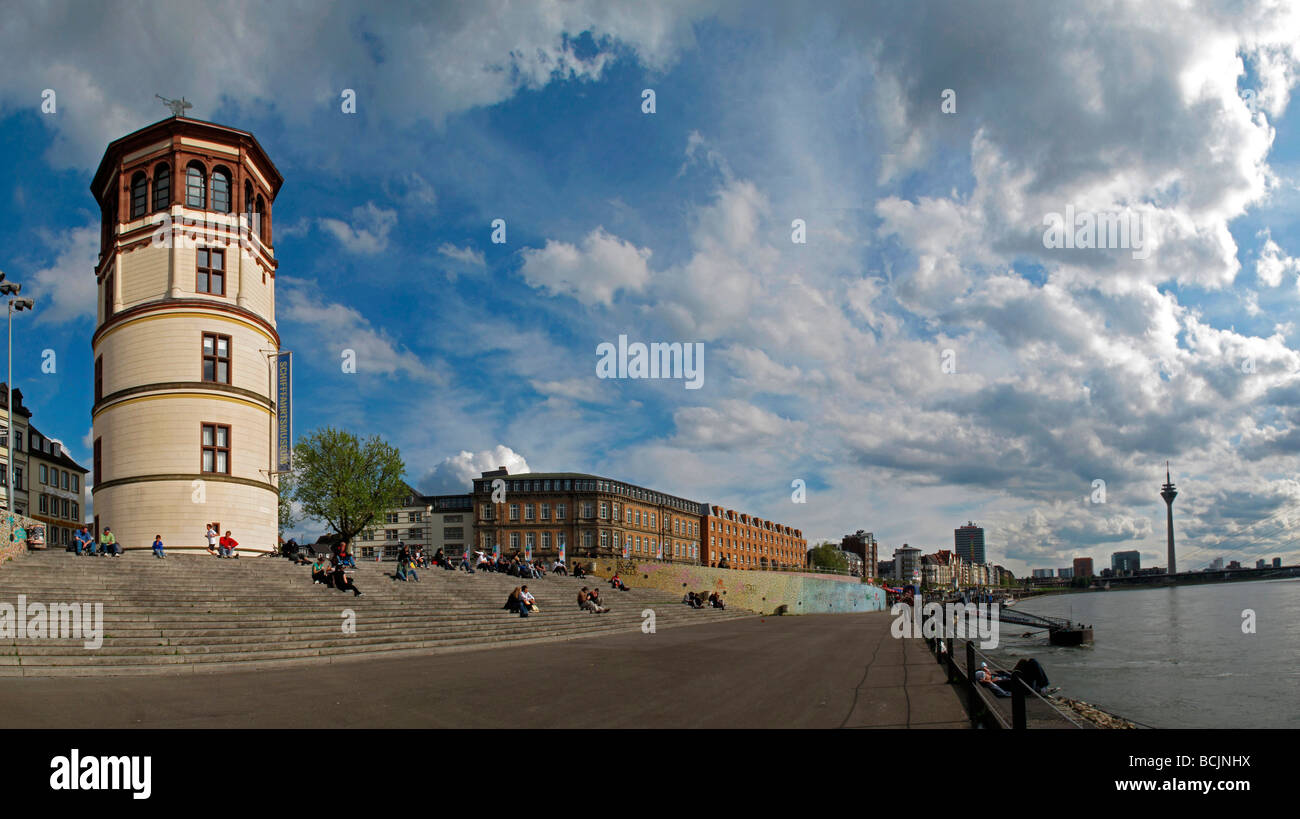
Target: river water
1176,657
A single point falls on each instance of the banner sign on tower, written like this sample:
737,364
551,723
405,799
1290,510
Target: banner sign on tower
283,412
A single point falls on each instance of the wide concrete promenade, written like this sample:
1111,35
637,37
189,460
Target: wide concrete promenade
814,671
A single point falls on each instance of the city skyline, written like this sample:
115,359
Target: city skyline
923,358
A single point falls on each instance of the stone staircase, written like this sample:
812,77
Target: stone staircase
196,614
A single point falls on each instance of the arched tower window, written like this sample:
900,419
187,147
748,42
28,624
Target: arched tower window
139,194
248,205
162,186
260,216
195,187
221,190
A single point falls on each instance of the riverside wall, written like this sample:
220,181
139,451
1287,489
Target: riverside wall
757,591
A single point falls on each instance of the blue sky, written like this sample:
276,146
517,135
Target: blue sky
823,360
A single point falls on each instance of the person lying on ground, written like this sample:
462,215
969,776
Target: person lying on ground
985,678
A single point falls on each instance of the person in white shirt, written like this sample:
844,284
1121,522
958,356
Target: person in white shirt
212,538
525,601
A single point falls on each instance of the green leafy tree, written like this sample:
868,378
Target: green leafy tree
289,518
827,555
344,481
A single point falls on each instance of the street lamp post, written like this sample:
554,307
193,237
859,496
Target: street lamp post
428,512
11,289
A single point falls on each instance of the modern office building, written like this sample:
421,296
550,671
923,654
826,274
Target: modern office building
854,563
184,410
907,564
1042,573
1083,567
1277,563
1126,563
741,541
1066,573
863,544
968,542
583,516
430,521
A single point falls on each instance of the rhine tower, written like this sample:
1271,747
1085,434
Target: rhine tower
1168,492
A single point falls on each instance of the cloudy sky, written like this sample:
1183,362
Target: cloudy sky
922,359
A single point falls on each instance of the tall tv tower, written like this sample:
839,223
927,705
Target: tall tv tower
1169,493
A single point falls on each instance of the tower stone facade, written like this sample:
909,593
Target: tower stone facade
184,407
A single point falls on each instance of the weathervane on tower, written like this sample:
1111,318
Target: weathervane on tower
178,107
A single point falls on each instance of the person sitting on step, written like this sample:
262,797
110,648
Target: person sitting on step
226,546
320,571
405,564
586,603
340,577
85,543
715,600
526,602
617,582
158,547
512,602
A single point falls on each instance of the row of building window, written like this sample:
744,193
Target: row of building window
450,533
60,478
608,511
729,529
201,193
742,546
614,487
636,544
50,505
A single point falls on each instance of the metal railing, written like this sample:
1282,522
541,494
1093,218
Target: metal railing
981,704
